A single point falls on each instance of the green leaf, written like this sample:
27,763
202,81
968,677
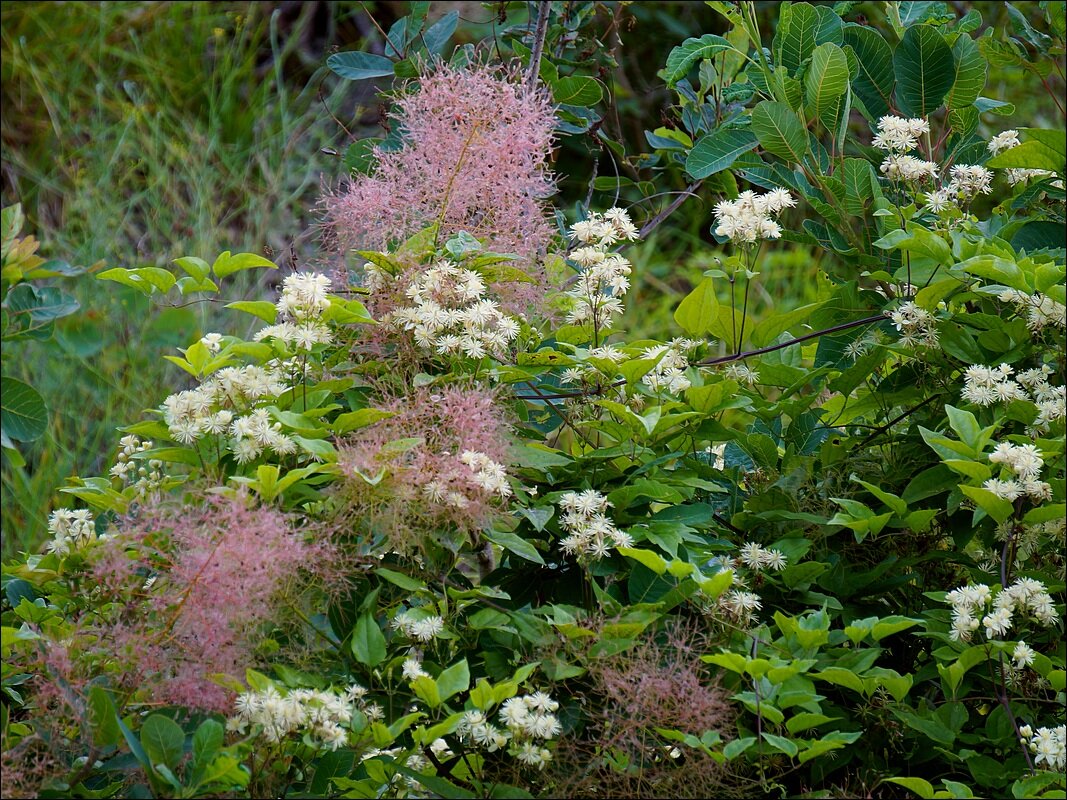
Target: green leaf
825,81
841,677
577,90
874,81
207,741
996,507
227,264
456,678
917,239
698,311
682,58
368,643
801,28
163,740
806,720
768,330
354,420
437,35
102,718
779,131
266,311
23,415
145,279
425,689
787,746
717,151
357,66
861,184
401,580
925,71
922,787
1031,154
654,561
738,746
970,73
197,268
890,625
516,544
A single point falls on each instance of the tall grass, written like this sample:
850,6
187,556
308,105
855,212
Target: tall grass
134,133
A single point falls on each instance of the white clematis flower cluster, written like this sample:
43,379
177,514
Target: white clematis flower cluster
324,716
1049,745
528,723
604,277
1023,464
146,478
758,559
301,306
423,628
71,529
452,314
1026,597
750,218
1006,140
1041,310
487,474
985,386
590,531
898,137
917,326
221,406
669,372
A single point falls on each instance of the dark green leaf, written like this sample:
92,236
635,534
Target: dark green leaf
925,71
23,415
357,66
163,740
718,151
779,131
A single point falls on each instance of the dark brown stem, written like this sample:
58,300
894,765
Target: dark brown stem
657,220
712,361
782,345
543,11
883,428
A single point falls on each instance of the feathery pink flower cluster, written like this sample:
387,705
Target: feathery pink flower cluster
475,159
452,474
190,588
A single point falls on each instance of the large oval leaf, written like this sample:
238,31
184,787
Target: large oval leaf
925,70
825,81
970,74
779,131
718,151
356,66
874,81
23,415
683,57
802,28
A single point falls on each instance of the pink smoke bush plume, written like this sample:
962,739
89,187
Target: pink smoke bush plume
190,589
403,493
475,159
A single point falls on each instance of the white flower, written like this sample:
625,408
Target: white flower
776,560
212,341
1023,655
997,623
1003,141
412,669
748,219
